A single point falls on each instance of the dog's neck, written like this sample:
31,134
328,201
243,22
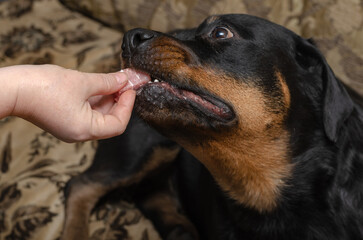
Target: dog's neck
252,172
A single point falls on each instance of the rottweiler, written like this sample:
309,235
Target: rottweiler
241,131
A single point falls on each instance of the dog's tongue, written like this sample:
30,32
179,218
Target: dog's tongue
136,79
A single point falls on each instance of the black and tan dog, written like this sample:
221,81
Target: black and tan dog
271,142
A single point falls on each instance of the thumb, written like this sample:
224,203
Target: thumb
105,83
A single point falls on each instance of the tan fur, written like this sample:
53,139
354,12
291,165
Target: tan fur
80,202
284,89
251,162
167,208
84,196
170,53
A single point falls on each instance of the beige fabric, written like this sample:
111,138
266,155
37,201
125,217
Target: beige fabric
34,166
49,33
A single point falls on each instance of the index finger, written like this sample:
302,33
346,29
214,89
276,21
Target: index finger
105,83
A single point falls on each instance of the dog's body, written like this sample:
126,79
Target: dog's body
271,142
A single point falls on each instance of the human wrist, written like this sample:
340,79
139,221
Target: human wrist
10,78
25,81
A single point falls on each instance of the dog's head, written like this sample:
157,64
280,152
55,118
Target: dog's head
233,91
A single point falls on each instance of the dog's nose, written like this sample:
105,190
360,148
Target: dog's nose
134,38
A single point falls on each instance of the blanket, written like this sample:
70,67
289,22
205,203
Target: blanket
86,35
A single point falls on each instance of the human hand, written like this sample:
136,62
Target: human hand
72,105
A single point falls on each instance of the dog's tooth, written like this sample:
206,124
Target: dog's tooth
157,80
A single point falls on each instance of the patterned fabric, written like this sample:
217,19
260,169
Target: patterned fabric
34,166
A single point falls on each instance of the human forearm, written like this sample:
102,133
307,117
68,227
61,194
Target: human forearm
10,79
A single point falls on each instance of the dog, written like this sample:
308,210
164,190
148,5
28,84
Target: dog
243,132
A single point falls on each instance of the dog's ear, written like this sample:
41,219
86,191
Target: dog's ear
337,104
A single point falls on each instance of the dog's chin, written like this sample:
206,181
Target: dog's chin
180,112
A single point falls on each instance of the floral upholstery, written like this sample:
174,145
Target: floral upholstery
86,35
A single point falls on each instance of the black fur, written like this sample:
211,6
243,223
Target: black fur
323,197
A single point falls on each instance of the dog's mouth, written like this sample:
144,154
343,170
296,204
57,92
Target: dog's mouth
163,93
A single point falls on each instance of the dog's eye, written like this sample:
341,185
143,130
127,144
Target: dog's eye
221,33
